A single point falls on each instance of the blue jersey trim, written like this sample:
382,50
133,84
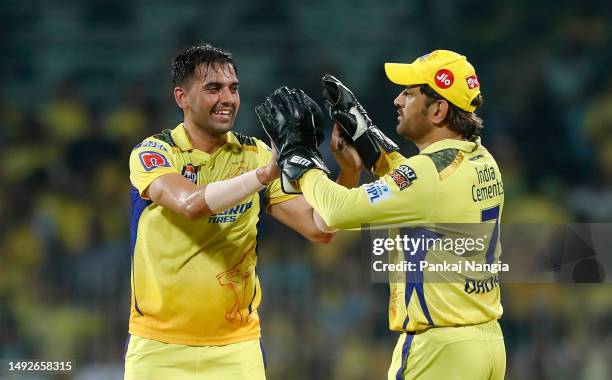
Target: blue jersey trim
493,244
490,214
138,206
405,352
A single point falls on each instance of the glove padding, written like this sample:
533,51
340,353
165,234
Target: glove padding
291,119
368,140
284,108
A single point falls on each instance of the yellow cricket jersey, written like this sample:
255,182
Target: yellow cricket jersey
451,181
195,282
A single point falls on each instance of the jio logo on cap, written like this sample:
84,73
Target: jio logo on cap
444,78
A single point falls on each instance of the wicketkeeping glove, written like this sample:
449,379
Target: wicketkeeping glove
368,140
291,119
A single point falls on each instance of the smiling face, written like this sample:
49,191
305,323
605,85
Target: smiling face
210,99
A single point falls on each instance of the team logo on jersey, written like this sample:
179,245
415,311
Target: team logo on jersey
444,78
472,82
191,173
377,191
236,280
403,176
151,160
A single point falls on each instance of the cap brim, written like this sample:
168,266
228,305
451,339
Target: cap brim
403,74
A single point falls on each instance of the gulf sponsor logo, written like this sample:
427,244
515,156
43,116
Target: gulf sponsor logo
190,172
403,176
151,160
399,180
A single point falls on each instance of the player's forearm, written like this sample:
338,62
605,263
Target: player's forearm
348,178
192,205
193,202
221,195
297,214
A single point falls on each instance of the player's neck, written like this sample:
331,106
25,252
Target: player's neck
202,140
436,135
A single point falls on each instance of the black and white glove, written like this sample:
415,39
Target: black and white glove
368,140
292,121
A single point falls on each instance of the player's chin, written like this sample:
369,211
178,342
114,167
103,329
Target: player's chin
400,128
405,131
223,126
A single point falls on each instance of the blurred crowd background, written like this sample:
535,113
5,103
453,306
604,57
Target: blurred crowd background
83,82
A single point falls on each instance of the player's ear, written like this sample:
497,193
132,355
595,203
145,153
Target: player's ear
440,109
180,96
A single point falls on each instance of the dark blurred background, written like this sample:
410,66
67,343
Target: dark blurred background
83,82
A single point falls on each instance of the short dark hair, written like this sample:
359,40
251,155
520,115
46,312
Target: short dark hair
466,123
185,64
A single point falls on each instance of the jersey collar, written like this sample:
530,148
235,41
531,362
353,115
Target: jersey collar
464,145
179,135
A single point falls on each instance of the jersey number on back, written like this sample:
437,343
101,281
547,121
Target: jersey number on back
486,215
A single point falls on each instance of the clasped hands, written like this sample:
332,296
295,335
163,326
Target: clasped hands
293,122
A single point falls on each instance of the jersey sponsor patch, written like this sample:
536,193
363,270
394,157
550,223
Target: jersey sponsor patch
403,176
190,172
152,144
377,191
151,160
230,215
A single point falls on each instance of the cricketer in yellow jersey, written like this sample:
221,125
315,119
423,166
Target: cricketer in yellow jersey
195,207
448,330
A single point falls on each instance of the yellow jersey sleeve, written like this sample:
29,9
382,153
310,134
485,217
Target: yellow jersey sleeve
408,193
386,162
274,193
149,160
